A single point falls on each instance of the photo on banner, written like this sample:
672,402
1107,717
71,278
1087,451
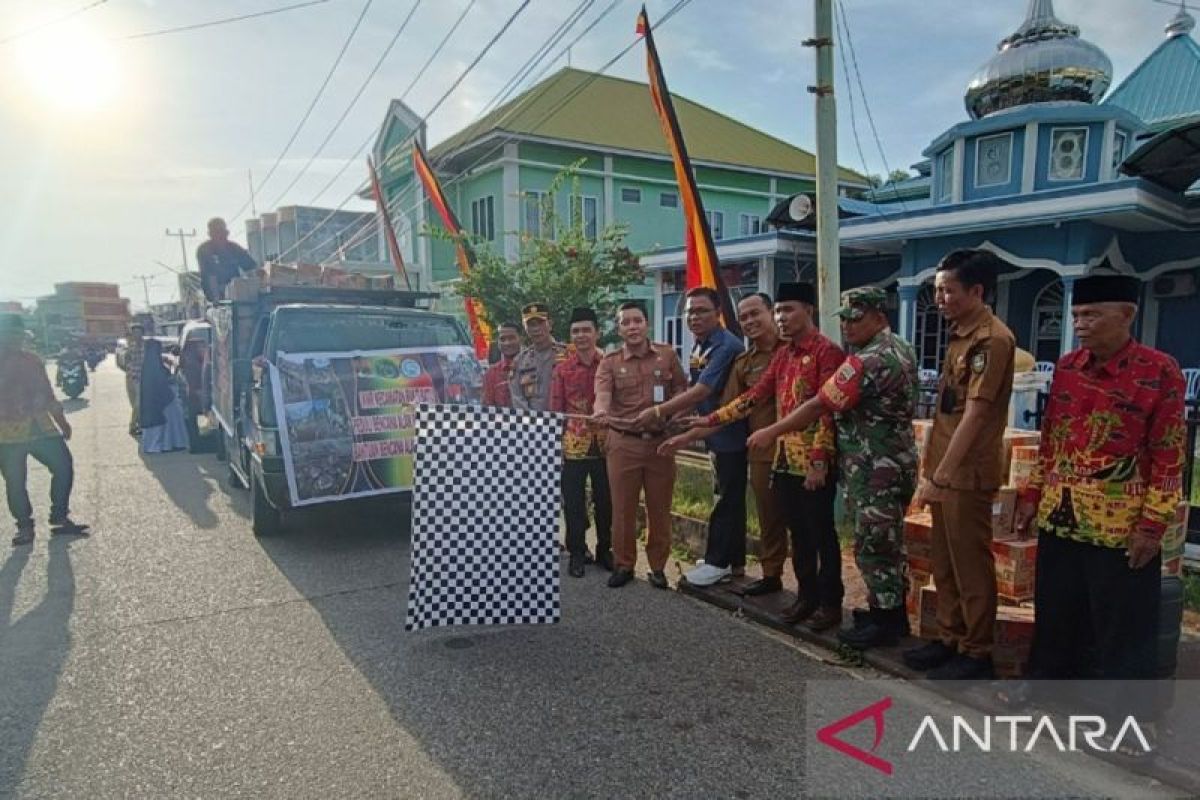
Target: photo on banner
347,424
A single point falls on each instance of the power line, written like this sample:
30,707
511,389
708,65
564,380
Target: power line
679,6
42,26
350,106
312,105
863,93
225,21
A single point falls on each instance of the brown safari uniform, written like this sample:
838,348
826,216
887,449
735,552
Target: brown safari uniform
637,383
978,366
743,375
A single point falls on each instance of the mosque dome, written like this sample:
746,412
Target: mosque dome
1181,24
1043,61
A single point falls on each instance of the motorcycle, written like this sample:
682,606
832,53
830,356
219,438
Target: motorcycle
93,358
72,377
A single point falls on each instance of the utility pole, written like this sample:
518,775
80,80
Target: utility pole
182,246
145,279
250,179
829,273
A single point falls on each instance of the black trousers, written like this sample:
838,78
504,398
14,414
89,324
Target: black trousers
816,554
727,523
1096,619
576,473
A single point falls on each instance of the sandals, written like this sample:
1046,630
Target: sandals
69,528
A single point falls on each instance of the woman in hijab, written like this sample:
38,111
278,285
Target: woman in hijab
161,414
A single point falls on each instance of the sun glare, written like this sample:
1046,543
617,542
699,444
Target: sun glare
70,69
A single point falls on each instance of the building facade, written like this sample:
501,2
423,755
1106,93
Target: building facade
95,311
496,173
311,235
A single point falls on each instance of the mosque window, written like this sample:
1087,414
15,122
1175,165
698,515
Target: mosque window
1048,322
1118,155
931,330
993,160
1068,153
945,175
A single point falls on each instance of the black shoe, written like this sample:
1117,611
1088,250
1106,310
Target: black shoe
928,656
768,584
865,613
604,560
881,628
619,578
24,536
963,668
67,526
575,568
658,580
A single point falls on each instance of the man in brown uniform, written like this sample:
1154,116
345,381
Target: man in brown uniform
963,466
638,376
754,315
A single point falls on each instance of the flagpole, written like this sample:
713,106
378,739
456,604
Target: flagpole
829,272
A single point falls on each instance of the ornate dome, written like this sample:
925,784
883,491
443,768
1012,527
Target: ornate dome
1044,61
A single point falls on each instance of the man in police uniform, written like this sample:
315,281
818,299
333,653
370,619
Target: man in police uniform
873,395
534,366
963,467
641,375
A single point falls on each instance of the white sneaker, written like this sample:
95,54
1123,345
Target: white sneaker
707,575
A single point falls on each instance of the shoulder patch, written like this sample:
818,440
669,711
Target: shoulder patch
845,373
979,362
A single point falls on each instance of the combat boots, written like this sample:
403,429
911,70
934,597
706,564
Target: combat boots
880,627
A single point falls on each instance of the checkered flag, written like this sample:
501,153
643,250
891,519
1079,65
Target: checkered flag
486,499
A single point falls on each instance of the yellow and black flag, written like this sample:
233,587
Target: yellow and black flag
703,268
466,259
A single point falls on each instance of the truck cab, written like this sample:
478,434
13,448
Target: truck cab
249,337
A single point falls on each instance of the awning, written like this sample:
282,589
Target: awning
1171,159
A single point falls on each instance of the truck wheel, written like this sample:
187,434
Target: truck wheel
268,521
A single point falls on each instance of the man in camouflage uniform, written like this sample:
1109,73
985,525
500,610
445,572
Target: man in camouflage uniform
873,395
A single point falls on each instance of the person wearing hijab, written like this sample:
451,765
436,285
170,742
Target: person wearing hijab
160,412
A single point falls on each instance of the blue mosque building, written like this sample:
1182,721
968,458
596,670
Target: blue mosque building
1060,177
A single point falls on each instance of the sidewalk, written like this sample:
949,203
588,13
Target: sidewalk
1177,763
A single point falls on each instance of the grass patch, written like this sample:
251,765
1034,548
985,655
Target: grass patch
694,496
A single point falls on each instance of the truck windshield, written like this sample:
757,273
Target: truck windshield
330,332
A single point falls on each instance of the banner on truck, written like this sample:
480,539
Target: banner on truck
347,420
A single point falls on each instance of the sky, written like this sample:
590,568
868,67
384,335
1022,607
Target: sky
106,141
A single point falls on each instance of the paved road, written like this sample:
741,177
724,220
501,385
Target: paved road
173,654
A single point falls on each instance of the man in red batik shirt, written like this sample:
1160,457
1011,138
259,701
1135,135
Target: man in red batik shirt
1106,486
573,391
495,380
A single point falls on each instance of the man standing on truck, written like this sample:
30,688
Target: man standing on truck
221,260
534,366
495,380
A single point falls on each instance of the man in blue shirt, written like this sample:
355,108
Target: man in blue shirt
712,358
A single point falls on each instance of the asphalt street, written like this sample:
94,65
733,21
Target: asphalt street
173,654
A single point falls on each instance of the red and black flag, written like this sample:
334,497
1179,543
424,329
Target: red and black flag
386,220
466,259
703,268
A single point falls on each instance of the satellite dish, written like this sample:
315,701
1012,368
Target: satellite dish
800,207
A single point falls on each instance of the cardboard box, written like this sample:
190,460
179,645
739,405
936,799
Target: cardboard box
356,280
1021,464
1004,509
1013,640
917,581
243,289
281,275
1015,437
308,274
1016,567
927,626
332,276
918,541
381,283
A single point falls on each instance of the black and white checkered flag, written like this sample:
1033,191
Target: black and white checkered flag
486,499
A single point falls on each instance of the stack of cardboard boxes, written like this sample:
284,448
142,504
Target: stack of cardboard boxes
316,275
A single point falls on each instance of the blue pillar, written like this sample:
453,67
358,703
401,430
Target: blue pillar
1068,332
908,311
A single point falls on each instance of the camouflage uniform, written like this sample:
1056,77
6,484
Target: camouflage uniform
874,395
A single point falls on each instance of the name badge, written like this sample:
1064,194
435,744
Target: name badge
660,394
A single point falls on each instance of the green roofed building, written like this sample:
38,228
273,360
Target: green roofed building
494,171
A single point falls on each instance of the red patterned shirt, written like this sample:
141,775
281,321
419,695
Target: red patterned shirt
797,371
573,391
495,384
1111,456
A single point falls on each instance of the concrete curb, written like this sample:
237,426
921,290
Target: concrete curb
766,611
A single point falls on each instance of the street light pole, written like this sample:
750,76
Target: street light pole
145,279
828,258
182,246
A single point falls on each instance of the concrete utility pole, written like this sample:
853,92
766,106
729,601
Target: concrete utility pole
829,284
250,179
182,246
145,279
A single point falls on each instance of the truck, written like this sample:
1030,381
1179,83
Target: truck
313,389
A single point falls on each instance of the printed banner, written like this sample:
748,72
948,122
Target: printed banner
347,419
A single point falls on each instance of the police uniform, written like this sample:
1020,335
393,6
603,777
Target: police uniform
874,396
978,365
533,369
636,383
